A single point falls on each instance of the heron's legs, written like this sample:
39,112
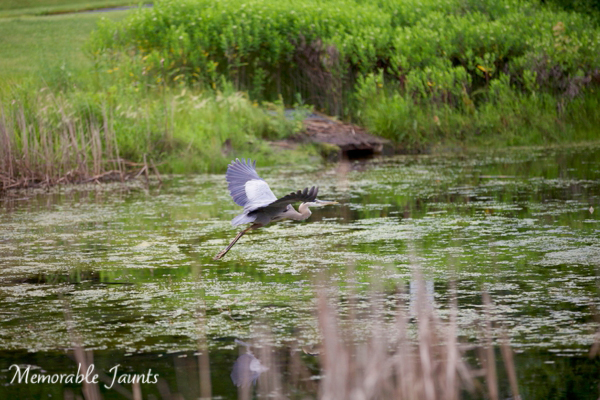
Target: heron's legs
235,239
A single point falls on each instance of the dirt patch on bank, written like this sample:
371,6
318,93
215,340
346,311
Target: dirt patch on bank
339,140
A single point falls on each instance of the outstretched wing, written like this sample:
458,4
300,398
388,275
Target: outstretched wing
305,196
245,186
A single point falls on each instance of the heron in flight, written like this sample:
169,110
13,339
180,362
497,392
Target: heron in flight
260,204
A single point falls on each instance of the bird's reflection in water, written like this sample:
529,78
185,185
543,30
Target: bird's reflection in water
247,368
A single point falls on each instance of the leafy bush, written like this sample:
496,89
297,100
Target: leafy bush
193,83
261,46
444,65
318,49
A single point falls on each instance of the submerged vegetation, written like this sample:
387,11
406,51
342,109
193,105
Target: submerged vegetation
191,84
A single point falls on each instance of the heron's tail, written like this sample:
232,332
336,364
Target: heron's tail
243,219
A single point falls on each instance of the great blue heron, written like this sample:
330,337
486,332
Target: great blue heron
260,204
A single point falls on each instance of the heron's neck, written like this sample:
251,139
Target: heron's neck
302,213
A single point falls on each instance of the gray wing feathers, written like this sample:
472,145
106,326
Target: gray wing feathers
238,173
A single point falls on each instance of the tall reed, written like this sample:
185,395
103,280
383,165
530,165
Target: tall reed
44,141
390,363
374,349
52,136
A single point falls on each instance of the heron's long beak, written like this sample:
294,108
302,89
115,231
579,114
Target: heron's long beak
325,203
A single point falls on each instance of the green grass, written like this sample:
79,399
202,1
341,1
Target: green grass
36,45
13,8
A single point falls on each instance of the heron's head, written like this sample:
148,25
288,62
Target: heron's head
305,211
320,203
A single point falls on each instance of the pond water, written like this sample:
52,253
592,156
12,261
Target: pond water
131,269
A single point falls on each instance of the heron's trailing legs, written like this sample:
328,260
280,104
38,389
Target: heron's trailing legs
235,239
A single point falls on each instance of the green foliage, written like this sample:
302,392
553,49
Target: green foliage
506,115
431,58
193,83
265,47
256,42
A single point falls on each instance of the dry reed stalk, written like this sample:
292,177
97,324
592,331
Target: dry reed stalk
114,149
74,147
24,138
63,151
269,384
95,147
425,343
335,358
203,354
380,370
6,166
145,169
595,349
58,146
487,353
451,386
137,390
507,355
68,156
156,172
82,146
404,357
392,365
82,357
107,139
